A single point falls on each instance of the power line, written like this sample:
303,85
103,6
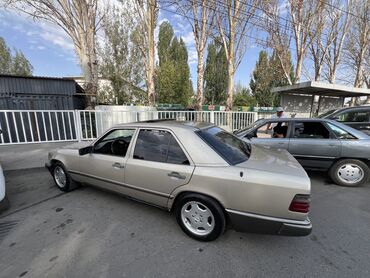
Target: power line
263,19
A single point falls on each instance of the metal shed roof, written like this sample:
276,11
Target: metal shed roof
324,89
35,85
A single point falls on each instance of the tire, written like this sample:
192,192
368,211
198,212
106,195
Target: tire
200,217
349,172
66,184
4,204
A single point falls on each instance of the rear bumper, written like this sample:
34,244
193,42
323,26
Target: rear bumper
254,223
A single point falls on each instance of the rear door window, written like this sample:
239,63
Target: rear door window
310,130
159,146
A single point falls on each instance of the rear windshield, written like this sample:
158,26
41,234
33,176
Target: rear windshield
230,147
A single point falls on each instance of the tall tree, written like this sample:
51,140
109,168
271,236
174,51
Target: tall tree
200,14
120,59
5,58
20,65
279,34
173,83
80,20
260,81
339,26
215,77
358,43
243,96
234,23
267,75
303,14
147,11
13,64
165,38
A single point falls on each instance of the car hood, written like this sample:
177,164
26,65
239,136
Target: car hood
273,160
77,145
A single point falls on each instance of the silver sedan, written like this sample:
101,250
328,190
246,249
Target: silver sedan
206,175
318,144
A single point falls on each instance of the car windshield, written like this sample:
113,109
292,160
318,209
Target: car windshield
231,148
327,113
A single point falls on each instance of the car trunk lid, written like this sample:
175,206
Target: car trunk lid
273,160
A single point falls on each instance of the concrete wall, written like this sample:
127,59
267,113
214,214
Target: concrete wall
301,104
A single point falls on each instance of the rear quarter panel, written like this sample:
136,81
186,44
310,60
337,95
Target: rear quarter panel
259,192
356,148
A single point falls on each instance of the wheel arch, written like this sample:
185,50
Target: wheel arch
364,160
172,204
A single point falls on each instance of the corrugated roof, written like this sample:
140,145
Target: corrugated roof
36,85
319,88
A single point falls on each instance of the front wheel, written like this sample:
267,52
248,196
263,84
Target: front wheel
349,172
200,217
61,177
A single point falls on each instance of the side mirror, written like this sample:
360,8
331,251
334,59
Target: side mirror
85,150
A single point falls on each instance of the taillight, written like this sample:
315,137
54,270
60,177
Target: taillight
300,203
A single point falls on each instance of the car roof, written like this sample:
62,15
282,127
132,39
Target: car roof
362,107
169,123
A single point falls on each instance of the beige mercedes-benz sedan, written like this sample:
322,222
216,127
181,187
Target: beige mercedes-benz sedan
206,175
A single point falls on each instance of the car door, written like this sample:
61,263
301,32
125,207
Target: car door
358,119
105,165
265,135
313,144
157,166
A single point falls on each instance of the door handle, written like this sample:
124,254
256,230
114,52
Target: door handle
176,175
118,165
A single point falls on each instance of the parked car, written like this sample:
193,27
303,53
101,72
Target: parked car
3,199
318,144
357,117
204,174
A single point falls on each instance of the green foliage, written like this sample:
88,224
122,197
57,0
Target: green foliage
121,61
243,97
267,75
173,84
165,44
215,77
9,64
21,66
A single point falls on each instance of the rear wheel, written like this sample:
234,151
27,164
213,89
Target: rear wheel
349,172
200,217
61,177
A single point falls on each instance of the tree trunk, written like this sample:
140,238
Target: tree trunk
151,52
230,83
88,60
200,78
298,69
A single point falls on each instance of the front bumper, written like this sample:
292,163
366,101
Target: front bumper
48,166
254,223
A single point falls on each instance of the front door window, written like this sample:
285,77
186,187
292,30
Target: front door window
115,143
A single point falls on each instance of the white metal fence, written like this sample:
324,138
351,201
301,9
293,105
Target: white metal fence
39,126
